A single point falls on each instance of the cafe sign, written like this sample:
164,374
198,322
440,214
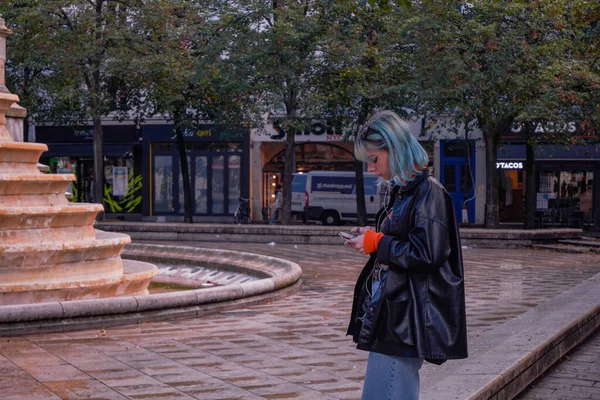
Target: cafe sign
509,165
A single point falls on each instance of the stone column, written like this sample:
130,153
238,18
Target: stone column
6,98
14,122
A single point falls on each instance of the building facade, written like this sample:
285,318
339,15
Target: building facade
319,148
71,150
218,159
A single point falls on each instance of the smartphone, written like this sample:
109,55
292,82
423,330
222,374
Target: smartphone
347,236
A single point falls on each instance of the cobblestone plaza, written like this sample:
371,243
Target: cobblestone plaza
293,348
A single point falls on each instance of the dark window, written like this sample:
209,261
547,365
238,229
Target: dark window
234,146
466,184
450,177
455,150
158,146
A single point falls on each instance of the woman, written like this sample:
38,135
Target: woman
409,300
277,205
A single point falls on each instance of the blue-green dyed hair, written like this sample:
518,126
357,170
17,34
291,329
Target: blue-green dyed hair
386,130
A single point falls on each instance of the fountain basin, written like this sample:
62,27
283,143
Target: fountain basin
13,184
275,278
132,281
24,255
75,214
36,225
20,158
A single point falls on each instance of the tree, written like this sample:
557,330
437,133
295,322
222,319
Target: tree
267,63
493,65
173,77
78,52
366,67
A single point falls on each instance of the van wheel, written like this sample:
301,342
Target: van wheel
330,218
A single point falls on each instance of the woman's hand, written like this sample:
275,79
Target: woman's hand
358,243
359,230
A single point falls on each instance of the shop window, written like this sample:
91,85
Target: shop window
575,190
457,149
234,182
163,184
218,195
511,195
201,185
65,165
181,193
234,146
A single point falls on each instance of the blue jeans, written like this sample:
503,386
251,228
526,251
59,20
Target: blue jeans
274,216
391,378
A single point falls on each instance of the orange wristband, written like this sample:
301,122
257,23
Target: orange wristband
371,240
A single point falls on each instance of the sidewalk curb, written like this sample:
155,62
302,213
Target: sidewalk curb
317,234
508,362
278,278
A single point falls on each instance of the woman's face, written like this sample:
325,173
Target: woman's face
379,163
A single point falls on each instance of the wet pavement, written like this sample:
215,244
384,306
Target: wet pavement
294,348
575,376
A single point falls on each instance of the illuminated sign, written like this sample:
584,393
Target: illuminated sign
509,165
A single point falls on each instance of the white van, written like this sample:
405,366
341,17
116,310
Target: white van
330,196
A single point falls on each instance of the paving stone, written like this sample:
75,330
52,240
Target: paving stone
571,376
51,373
82,389
293,348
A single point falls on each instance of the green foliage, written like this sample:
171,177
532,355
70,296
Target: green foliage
493,64
110,204
133,195
366,63
72,58
504,62
132,198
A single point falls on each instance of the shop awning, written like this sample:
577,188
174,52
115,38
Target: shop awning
86,149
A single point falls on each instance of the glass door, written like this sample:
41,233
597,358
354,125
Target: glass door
200,184
457,174
218,184
162,180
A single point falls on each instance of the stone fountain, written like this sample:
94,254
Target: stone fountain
49,249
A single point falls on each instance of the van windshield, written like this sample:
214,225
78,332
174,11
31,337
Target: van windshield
299,183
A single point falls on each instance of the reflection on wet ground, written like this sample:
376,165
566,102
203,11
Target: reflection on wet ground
292,348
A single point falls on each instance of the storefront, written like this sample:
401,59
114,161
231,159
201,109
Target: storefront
71,150
310,156
565,185
218,160
511,190
317,148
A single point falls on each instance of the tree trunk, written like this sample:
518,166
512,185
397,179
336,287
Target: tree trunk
98,165
361,208
185,175
492,214
288,171
530,188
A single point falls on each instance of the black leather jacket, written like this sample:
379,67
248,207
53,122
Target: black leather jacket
421,312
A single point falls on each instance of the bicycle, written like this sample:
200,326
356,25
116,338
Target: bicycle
242,213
